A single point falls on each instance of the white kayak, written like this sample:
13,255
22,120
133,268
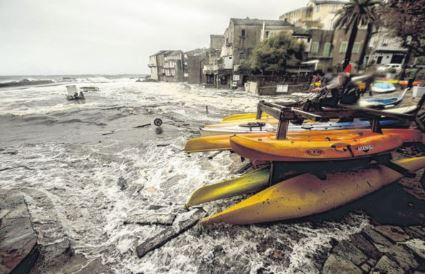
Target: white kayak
259,127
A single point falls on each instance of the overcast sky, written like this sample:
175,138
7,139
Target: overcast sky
113,36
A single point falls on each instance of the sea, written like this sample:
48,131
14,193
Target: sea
92,171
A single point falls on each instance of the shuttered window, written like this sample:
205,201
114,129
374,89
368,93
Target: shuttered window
343,47
327,49
314,47
356,47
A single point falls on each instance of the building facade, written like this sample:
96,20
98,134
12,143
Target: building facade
167,65
385,49
239,40
216,41
318,14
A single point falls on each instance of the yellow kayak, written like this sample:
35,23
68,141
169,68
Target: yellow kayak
241,117
306,195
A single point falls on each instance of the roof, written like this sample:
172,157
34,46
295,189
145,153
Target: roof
168,52
255,21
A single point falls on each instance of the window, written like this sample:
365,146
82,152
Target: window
397,59
327,49
356,47
267,34
343,47
314,47
243,33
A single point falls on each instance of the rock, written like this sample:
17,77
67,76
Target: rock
416,232
122,183
19,250
182,223
365,246
375,237
394,233
54,242
404,258
417,247
347,250
365,267
335,264
385,265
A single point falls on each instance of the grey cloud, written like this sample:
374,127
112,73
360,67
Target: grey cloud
112,36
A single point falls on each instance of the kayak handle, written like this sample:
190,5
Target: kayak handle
343,147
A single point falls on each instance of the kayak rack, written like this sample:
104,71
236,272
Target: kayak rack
286,114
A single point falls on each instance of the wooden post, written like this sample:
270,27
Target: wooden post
376,126
259,111
282,130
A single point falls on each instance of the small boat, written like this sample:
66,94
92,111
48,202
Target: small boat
74,94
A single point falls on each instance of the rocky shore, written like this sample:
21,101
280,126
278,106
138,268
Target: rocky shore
394,242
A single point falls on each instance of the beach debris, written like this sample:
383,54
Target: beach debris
151,219
214,155
162,145
142,126
181,224
108,133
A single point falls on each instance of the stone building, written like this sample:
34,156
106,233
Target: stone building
327,46
385,49
318,14
243,35
240,38
167,65
196,60
216,41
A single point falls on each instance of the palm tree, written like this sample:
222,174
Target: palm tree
356,13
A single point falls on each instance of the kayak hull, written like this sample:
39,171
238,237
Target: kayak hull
343,146
306,195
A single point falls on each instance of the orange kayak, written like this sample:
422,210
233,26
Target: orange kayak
415,83
222,142
315,148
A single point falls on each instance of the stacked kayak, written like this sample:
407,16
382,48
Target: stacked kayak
248,123
306,194
300,170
